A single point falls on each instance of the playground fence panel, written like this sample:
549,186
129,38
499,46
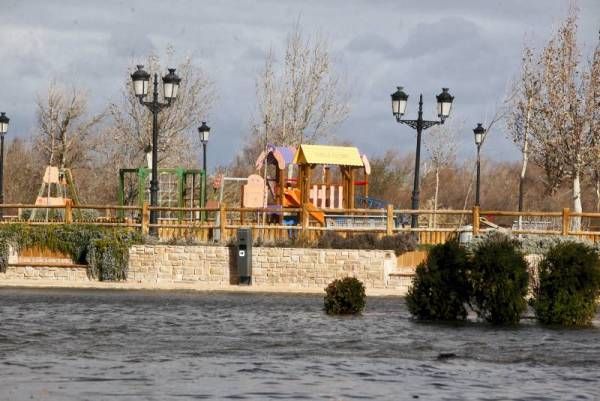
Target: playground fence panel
285,224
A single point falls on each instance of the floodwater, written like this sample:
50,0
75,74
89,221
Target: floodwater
139,345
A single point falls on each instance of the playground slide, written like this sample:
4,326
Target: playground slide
291,198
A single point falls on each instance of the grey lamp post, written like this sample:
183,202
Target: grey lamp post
3,130
141,80
399,102
204,132
479,132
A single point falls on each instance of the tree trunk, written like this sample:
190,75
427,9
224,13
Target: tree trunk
525,152
522,181
435,197
597,191
576,221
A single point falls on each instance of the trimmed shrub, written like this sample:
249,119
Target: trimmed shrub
440,289
534,244
500,279
345,297
569,285
399,243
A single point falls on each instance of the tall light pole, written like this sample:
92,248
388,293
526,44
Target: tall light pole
479,132
3,130
204,132
399,102
141,80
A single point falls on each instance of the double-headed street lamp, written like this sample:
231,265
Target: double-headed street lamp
141,80
3,130
399,102
479,132
204,133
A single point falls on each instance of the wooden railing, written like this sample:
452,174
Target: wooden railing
220,224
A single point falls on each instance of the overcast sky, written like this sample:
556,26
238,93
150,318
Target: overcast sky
471,46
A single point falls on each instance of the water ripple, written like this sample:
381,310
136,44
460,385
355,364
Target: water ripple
138,345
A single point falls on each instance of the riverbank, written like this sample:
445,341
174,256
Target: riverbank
163,286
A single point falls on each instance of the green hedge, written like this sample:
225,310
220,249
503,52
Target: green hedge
441,289
569,285
105,250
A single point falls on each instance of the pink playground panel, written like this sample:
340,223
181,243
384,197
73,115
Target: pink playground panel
327,197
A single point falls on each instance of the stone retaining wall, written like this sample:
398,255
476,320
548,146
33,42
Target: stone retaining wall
187,264
45,272
294,267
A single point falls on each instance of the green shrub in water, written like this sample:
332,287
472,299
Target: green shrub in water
345,297
500,280
569,285
440,289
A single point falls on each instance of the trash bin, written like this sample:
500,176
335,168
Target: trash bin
465,234
244,255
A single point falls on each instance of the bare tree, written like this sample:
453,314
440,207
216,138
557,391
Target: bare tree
391,175
593,104
304,101
300,99
525,93
23,171
131,129
64,126
561,135
441,146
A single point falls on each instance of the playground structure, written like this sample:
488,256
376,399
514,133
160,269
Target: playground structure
57,189
178,188
292,180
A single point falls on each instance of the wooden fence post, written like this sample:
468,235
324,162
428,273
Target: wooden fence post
389,226
68,211
223,222
145,219
566,221
475,220
304,218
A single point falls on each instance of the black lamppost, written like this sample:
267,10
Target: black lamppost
141,80
3,130
479,132
204,132
399,101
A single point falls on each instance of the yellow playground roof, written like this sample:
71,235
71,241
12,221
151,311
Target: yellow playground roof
322,154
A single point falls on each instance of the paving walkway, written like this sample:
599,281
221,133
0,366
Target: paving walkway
40,283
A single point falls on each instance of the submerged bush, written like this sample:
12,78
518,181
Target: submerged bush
345,297
500,280
440,289
569,285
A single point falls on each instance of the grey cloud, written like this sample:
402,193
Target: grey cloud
442,35
369,42
130,43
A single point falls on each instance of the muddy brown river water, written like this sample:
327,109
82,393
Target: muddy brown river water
142,345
